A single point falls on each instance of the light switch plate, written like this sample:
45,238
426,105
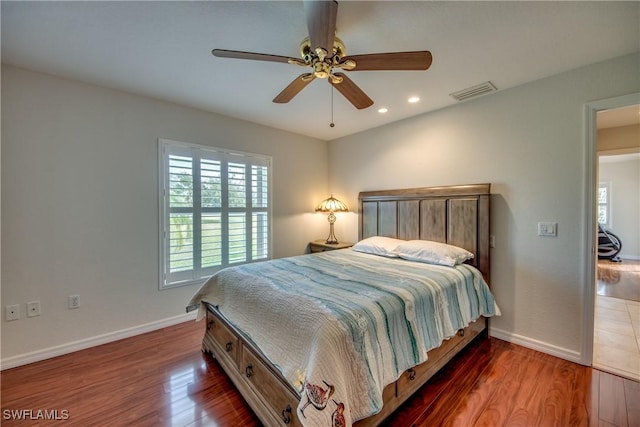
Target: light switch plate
549,229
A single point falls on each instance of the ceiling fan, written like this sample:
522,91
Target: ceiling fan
324,53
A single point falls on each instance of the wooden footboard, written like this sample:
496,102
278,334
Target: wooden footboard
271,397
275,401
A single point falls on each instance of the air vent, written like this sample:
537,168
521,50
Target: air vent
473,91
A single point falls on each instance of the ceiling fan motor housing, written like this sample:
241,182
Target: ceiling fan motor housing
339,49
320,61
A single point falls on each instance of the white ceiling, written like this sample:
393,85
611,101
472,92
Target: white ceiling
162,49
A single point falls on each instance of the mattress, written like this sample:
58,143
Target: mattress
341,325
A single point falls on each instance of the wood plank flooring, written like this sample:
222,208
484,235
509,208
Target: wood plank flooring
619,279
162,379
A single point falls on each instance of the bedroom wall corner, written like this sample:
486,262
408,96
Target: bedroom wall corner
80,206
528,142
623,174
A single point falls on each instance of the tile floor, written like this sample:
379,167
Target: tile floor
616,346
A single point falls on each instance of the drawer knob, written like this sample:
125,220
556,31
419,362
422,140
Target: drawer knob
286,414
229,346
412,374
209,325
460,332
248,371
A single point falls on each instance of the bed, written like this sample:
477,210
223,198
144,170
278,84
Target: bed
351,350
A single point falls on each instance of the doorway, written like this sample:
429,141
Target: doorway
616,344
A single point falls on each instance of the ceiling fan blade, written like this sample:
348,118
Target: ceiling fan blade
352,92
236,54
321,23
420,60
294,88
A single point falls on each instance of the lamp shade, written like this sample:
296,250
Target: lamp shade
332,205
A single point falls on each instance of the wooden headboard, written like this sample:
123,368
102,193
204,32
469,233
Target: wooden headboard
457,215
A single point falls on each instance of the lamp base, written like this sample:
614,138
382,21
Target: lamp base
332,240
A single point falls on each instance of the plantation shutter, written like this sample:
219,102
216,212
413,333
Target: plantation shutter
215,212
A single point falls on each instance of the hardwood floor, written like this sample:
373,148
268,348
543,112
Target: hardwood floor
162,379
619,279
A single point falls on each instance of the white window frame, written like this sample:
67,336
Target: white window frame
607,203
198,275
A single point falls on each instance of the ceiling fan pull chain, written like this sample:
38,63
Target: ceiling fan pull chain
332,124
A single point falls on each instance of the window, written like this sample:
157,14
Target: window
604,204
215,210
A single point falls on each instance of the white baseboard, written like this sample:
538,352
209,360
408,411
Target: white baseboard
541,346
47,353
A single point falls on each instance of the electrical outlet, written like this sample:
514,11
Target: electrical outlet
12,312
33,309
74,301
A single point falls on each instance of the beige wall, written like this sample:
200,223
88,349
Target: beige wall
623,139
80,205
529,142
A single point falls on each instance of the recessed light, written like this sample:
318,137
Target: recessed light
383,110
414,99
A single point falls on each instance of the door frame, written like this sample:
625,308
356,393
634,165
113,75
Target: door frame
589,233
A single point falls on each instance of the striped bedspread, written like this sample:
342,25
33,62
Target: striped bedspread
341,325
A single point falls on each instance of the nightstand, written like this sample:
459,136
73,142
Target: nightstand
321,246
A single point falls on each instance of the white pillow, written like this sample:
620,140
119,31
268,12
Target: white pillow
378,245
433,252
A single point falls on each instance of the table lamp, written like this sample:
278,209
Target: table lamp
331,205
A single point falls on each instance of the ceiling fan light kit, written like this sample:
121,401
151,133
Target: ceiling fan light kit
324,52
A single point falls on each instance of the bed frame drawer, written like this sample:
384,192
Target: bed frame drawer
414,378
276,395
223,338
